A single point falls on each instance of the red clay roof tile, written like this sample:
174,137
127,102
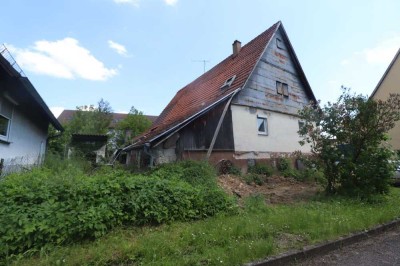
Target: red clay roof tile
206,89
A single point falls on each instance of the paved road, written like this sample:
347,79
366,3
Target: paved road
383,249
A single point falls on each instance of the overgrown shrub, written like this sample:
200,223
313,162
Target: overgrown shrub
261,169
44,207
283,164
347,139
257,179
310,175
194,172
227,167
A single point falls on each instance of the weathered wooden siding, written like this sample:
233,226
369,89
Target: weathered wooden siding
275,65
198,134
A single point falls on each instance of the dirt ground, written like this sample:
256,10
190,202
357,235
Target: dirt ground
277,189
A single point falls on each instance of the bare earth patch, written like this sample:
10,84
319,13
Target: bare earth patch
276,190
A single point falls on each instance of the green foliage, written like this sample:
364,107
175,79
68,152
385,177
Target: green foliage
254,233
261,169
257,179
87,120
310,175
258,174
348,138
283,164
196,173
133,125
91,119
58,204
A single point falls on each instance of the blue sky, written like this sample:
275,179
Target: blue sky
141,52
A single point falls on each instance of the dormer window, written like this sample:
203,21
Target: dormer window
228,82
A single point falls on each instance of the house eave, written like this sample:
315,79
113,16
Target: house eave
182,124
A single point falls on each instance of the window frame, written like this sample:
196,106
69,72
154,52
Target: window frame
282,88
5,137
265,120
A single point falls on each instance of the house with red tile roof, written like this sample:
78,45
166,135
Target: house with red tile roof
244,109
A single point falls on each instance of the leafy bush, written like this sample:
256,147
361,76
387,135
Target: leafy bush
194,172
254,178
348,138
283,164
310,175
227,167
261,169
45,207
290,172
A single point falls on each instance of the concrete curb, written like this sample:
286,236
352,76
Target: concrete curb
320,249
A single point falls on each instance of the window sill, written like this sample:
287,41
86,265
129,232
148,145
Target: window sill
5,141
262,134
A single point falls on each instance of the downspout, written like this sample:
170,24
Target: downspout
221,119
146,150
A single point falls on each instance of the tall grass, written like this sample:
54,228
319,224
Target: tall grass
256,232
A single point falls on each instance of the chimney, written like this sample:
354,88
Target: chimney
236,47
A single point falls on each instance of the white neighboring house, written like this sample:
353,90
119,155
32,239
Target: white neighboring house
24,119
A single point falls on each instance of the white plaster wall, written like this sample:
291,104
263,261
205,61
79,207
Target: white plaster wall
282,131
27,142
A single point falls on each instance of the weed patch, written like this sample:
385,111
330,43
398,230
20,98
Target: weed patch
47,207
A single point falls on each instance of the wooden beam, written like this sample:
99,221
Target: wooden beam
221,119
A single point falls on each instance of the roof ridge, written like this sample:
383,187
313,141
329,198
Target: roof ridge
205,90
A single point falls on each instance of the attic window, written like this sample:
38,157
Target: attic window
282,88
279,43
228,82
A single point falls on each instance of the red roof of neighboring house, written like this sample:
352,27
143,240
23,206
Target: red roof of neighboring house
206,90
67,115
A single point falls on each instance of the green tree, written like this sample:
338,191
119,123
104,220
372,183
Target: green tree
91,119
347,139
87,120
133,125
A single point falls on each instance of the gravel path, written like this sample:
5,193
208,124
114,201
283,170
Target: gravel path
383,249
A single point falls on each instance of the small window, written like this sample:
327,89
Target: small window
262,125
4,125
285,88
282,89
279,43
228,82
5,118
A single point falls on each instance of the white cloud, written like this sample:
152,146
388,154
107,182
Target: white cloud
383,53
56,110
171,2
379,55
130,2
63,59
362,70
119,48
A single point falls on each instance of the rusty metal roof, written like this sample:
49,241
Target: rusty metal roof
206,90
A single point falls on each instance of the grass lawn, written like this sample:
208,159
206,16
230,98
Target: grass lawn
256,232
